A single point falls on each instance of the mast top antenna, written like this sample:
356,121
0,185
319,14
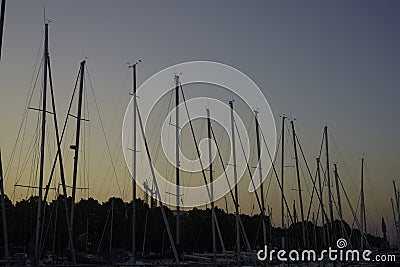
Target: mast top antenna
131,65
45,19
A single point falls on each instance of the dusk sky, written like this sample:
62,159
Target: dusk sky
334,63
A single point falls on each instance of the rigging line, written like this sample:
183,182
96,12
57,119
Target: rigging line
197,148
108,169
199,156
113,117
63,130
322,145
34,148
277,177
191,173
33,166
252,159
248,169
358,202
29,154
27,101
274,196
45,233
102,234
24,125
104,133
88,145
275,158
166,105
268,187
323,182
38,117
109,165
22,145
113,155
355,213
84,147
311,177
165,219
60,161
201,163
372,192
230,187
342,159
344,230
341,220
351,208
303,174
315,181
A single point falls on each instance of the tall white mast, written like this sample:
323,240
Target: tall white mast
362,210
282,180
133,67
214,241
261,177
178,220
235,181
303,222
42,150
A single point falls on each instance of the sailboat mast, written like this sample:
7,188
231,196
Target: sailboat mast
338,192
328,176
4,214
157,191
395,222
235,181
214,241
60,160
282,180
43,137
134,88
303,222
3,10
322,203
178,219
362,210
395,194
77,139
261,177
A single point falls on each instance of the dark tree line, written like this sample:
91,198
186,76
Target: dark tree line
92,228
